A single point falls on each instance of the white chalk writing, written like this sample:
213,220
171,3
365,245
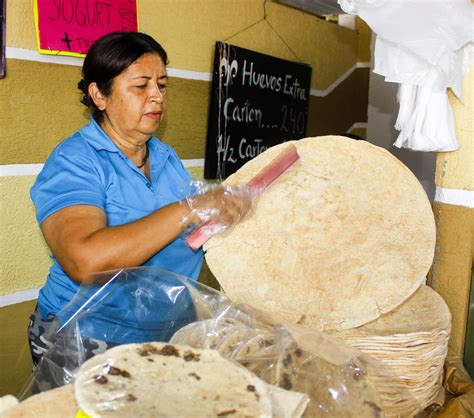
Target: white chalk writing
244,113
249,150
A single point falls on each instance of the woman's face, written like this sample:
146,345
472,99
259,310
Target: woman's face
134,109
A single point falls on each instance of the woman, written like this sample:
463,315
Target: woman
112,195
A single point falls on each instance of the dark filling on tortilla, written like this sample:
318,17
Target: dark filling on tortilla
251,388
169,350
268,343
101,379
225,413
131,398
377,410
150,360
190,356
298,352
146,349
286,382
115,371
287,360
195,375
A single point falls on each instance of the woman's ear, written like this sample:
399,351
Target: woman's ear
96,95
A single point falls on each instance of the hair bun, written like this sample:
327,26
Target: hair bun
82,86
85,98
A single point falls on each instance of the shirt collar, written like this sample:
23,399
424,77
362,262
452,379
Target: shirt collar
98,139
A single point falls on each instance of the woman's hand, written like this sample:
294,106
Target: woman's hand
222,204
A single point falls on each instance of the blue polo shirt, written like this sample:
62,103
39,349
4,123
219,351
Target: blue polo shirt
89,169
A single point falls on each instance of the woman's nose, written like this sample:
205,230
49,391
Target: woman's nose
157,96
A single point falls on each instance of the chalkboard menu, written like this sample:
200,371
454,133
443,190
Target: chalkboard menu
257,101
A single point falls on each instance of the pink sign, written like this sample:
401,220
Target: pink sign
69,27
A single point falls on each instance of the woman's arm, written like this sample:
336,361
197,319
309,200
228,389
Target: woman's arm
83,244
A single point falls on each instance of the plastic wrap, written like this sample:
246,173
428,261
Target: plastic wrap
156,305
339,380
218,205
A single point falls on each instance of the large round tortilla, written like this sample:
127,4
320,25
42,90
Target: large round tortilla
158,379
55,403
342,237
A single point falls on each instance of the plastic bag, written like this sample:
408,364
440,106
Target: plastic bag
420,44
460,388
156,305
130,305
339,380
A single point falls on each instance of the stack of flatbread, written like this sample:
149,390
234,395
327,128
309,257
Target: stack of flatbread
413,341
344,236
165,380
338,381
55,403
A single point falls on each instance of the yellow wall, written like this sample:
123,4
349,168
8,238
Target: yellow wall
452,268
39,103
25,258
15,359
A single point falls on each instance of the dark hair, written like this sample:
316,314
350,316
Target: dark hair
109,56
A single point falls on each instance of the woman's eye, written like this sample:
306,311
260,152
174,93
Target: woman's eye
142,86
162,88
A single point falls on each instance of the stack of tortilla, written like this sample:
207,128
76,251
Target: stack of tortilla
344,236
165,380
338,381
413,341
55,403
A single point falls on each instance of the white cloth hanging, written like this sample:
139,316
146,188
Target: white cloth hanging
421,45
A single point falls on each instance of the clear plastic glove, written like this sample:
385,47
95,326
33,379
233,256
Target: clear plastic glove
219,206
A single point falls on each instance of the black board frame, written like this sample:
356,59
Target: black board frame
3,36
